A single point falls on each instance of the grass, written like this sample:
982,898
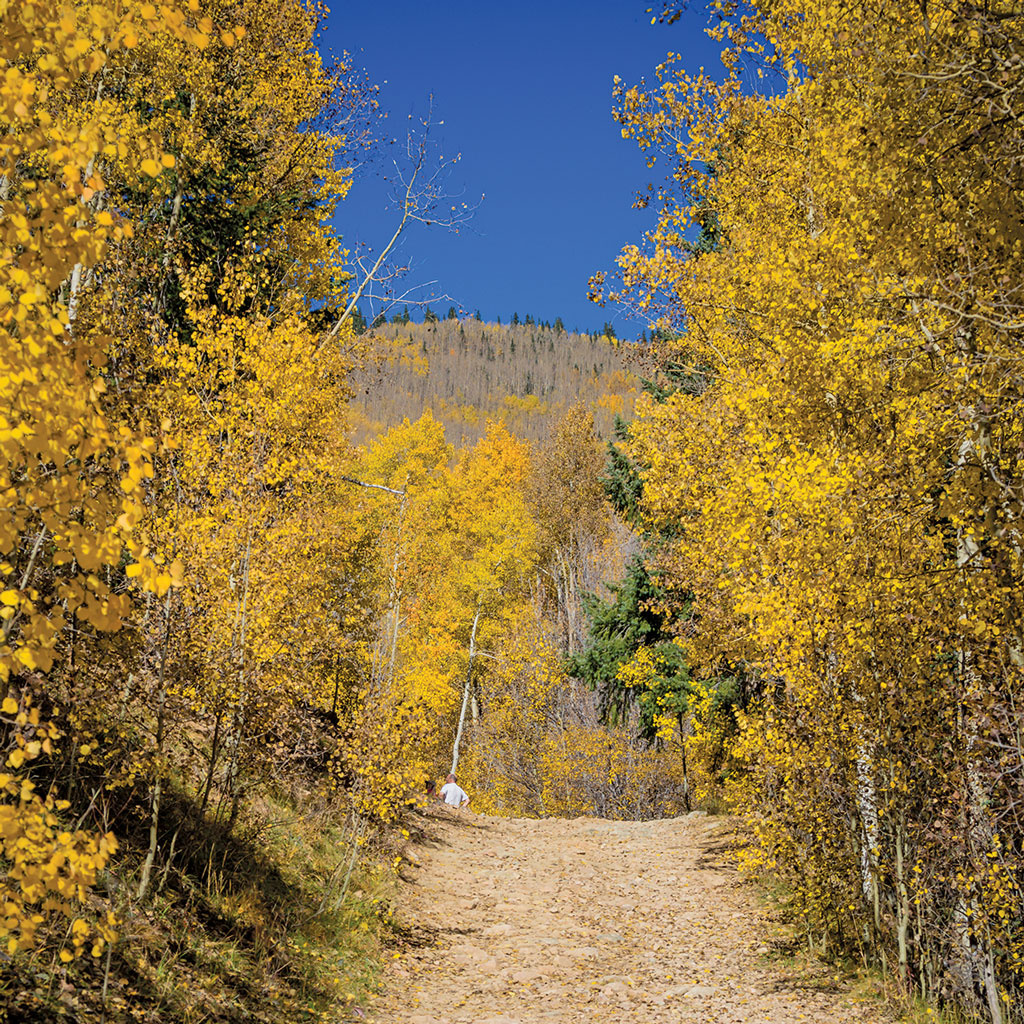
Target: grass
275,923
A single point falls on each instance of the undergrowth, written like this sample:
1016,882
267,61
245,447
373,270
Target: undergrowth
282,921
786,944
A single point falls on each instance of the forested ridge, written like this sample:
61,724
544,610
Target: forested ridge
265,569
527,374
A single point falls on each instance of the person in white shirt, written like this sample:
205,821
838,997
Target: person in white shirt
453,794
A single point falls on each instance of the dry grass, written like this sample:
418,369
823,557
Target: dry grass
269,924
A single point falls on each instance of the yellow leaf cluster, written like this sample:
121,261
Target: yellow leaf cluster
834,260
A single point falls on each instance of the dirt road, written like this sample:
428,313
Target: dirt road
562,922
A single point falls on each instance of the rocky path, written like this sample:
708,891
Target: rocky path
562,922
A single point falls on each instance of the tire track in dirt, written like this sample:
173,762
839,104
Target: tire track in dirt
566,921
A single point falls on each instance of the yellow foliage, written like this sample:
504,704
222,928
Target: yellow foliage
501,767
841,484
589,771
525,759
60,446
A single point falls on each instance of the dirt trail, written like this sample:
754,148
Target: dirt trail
562,922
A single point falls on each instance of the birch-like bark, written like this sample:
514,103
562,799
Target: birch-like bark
902,903
867,808
466,691
867,802
977,960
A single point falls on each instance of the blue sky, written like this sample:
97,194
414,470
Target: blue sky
524,89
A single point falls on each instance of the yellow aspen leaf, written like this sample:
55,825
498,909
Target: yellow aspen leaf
29,657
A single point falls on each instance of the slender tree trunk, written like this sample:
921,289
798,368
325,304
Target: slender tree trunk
154,818
977,961
466,690
686,772
903,904
397,612
9,624
214,752
238,719
396,597
867,808
866,797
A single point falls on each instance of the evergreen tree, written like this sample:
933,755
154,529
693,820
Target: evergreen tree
619,627
623,483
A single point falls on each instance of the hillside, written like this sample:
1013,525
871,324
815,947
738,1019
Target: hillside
247,625
467,372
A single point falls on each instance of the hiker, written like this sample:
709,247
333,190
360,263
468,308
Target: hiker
453,794
431,787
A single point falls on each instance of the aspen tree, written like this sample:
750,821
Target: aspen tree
63,530
845,495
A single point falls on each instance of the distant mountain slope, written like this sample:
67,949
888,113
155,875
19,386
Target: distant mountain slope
466,371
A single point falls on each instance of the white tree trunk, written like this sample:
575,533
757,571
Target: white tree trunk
466,690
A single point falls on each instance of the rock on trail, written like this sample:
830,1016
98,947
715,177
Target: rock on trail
558,921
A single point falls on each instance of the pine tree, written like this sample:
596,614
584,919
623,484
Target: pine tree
619,627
